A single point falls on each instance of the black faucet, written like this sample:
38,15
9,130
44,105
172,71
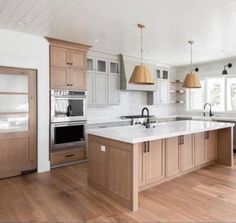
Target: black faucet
147,124
210,112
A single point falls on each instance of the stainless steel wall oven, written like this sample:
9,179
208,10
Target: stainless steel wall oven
66,135
68,106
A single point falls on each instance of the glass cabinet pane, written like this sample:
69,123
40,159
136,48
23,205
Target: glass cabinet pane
90,65
13,103
114,67
13,83
165,74
13,123
158,74
101,66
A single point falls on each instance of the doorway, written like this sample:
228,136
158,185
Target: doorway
18,121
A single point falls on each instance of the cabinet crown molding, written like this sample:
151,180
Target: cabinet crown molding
67,44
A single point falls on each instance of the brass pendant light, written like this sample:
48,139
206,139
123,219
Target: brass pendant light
191,80
141,74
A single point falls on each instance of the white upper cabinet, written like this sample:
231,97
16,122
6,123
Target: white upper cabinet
161,73
103,81
114,89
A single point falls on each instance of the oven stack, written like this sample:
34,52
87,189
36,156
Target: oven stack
68,119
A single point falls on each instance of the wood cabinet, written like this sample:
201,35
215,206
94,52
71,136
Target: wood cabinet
151,162
68,65
211,145
67,156
186,152
172,156
199,149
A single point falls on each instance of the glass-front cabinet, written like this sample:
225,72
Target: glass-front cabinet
161,73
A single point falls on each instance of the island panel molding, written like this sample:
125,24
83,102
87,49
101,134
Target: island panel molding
120,170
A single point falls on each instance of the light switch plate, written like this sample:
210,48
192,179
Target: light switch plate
103,148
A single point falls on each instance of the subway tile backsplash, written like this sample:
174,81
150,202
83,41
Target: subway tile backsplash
131,103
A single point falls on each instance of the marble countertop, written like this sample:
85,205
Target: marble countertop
194,117
138,133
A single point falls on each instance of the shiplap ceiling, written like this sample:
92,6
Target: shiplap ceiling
169,25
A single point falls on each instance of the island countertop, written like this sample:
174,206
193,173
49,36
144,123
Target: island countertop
137,134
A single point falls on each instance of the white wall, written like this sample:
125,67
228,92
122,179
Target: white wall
28,51
209,69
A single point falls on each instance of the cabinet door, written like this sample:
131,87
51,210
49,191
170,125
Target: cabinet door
59,56
155,166
199,149
101,89
77,59
163,92
211,145
91,88
78,79
186,152
114,89
60,78
172,156
141,164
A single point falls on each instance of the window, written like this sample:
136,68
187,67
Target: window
216,93
220,92
196,98
231,94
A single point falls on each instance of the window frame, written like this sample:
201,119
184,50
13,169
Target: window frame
205,79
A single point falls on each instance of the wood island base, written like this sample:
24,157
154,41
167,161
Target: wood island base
120,170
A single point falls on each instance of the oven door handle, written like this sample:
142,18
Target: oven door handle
68,124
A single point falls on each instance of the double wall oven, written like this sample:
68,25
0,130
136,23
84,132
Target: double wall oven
68,119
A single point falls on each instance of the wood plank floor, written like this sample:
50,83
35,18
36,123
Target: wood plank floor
62,195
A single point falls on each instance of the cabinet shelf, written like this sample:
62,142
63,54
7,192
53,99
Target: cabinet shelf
176,81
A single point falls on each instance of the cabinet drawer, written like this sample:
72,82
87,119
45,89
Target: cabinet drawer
69,155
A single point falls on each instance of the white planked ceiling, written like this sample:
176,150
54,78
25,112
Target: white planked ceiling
169,25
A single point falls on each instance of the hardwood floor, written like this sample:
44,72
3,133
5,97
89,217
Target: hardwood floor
206,195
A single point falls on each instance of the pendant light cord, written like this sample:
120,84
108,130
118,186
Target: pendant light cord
141,30
191,54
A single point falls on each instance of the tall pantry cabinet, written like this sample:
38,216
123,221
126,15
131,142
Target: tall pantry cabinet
68,71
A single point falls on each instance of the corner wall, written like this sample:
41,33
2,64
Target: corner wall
29,51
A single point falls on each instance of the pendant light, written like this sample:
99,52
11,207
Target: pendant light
141,74
191,80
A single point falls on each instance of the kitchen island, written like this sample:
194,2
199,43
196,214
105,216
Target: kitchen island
126,160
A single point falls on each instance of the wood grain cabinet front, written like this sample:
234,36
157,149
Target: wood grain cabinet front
172,156
68,63
67,156
186,151
151,162
199,149
211,145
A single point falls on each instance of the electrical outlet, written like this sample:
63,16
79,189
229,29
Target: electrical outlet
103,148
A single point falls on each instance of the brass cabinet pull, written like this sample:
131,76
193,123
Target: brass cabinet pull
148,147
145,147
70,155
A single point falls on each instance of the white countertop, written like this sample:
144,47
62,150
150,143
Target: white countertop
137,134
194,117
